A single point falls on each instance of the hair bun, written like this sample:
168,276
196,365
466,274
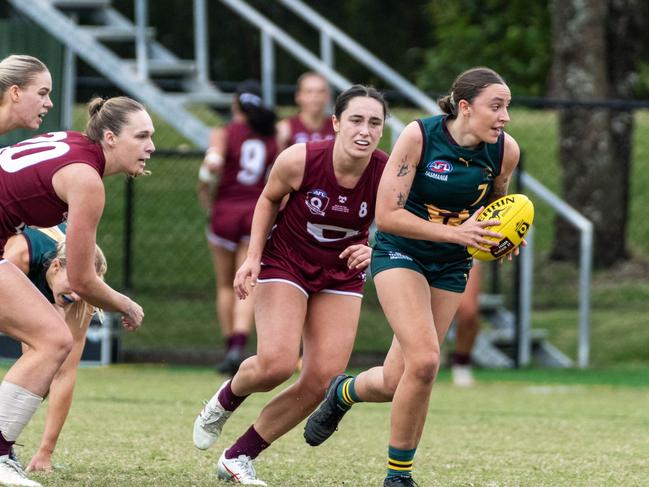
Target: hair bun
95,105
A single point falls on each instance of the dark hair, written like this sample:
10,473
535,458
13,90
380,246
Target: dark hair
109,114
261,118
343,99
467,86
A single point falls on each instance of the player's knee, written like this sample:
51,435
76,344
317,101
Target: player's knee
274,373
58,345
424,369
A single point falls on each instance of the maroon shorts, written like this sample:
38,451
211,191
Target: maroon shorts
310,278
230,223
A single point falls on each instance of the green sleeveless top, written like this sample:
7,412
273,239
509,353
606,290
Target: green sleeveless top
42,249
450,184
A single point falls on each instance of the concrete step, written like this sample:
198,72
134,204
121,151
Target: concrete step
115,33
181,67
81,4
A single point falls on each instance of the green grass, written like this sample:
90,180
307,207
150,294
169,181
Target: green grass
131,426
173,273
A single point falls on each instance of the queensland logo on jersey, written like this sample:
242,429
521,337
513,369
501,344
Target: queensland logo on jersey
317,201
439,170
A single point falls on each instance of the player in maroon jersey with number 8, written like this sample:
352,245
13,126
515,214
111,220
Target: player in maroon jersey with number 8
308,276
43,181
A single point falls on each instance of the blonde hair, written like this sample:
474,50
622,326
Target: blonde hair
20,70
101,267
109,114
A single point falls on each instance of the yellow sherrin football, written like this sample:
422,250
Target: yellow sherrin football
516,214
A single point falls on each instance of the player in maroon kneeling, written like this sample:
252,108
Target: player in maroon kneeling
307,268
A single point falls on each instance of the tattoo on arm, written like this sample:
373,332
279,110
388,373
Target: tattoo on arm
403,169
401,200
499,190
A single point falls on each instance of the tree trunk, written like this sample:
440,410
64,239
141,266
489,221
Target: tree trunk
593,63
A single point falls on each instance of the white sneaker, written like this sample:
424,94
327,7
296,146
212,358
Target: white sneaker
238,470
462,376
210,421
11,473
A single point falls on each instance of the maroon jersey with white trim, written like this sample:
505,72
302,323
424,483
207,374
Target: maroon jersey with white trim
322,218
27,196
300,134
248,157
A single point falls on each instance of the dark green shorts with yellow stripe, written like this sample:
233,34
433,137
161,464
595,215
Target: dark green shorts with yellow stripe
450,276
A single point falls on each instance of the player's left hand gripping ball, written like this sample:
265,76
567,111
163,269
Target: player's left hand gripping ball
516,214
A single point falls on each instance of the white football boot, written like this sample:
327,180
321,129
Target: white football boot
12,474
238,470
462,376
210,421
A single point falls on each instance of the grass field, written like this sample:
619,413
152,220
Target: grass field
131,426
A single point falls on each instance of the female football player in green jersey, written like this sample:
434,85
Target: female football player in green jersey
442,171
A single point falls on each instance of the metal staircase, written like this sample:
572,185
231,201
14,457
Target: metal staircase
495,346
104,26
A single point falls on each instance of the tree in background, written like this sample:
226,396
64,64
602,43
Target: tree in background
596,51
510,36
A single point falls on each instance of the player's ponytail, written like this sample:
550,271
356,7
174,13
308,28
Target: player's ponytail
260,118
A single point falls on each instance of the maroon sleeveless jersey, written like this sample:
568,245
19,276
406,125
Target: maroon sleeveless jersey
322,218
27,196
300,134
247,160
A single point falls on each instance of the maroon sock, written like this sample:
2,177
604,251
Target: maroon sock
5,446
228,343
250,444
461,358
228,399
239,340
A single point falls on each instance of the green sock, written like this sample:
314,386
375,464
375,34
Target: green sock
400,462
346,393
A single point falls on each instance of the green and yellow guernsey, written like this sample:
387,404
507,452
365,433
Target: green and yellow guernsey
451,183
42,244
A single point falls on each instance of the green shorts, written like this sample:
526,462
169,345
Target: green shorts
450,276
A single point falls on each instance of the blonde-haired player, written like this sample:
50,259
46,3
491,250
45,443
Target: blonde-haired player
40,254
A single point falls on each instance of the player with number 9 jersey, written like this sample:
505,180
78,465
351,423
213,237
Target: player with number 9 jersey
231,178
248,157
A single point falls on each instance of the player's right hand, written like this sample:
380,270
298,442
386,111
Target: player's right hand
474,233
133,316
249,270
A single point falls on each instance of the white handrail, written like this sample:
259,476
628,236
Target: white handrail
585,226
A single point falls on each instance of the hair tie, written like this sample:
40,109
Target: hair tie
452,101
250,98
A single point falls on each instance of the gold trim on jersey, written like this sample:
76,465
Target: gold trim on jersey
439,215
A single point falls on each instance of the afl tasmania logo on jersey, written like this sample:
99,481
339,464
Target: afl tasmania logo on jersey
317,201
439,170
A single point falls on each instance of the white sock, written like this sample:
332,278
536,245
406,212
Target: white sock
17,406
